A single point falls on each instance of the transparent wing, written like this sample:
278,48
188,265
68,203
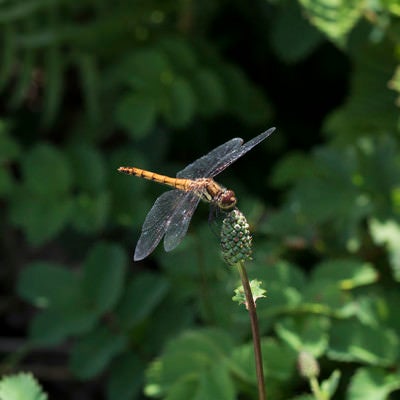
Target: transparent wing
221,157
166,209
227,159
179,222
200,167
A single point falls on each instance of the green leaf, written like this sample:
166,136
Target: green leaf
126,377
21,386
40,218
91,211
279,361
46,171
179,52
93,352
354,342
373,384
143,294
330,385
103,276
188,358
137,114
147,70
48,285
297,42
291,168
349,274
335,18
215,383
373,66
256,291
310,334
388,234
53,326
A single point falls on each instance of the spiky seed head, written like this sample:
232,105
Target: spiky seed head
236,241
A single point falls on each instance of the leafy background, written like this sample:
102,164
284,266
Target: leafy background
88,86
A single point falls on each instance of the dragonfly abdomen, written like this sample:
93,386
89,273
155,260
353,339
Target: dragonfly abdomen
178,183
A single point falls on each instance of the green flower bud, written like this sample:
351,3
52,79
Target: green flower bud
308,365
236,240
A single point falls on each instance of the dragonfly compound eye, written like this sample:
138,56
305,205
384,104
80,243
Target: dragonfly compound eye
227,200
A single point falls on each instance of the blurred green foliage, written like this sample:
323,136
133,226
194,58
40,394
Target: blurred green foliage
87,87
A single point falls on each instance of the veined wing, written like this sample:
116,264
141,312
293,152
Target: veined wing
167,209
227,159
200,167
221,157
180,220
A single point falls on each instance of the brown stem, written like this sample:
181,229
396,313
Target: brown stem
251,307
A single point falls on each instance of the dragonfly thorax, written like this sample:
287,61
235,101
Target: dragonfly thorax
212,192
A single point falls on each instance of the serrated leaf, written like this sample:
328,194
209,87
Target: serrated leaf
143,294
256,290
137,114
373,384
334,18
355,342
48,285
126,377
21,386
93,352
103,276
46,171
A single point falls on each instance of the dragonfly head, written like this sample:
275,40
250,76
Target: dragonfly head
227,200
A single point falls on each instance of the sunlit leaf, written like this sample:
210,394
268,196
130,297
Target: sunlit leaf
373,384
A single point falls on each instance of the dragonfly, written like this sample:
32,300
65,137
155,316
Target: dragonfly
171,213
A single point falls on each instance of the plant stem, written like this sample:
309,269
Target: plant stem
251,307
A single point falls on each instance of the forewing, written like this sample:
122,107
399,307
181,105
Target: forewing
201,167
180,220
227,159
157,222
